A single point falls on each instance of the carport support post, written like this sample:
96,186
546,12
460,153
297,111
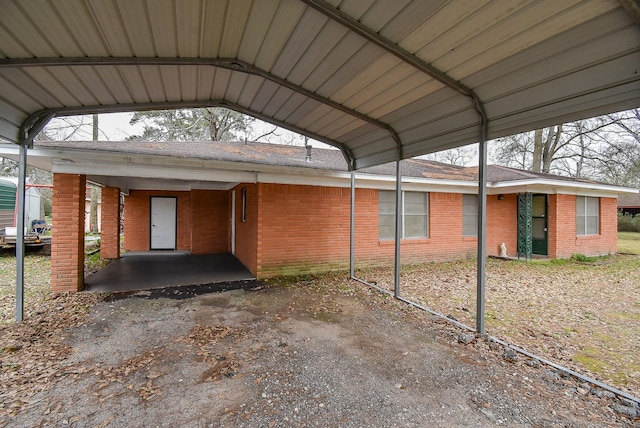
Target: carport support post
352,227
22,179
398,225
482,234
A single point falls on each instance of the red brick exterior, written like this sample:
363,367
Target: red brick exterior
110,234
294,229
303,229
306,229
246,233
67,243
502,224
203,220
563,241
137,219
210,232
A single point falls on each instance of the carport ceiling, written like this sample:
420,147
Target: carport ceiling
368,76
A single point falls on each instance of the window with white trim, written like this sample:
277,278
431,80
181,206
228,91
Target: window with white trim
587,216
470,215
415,221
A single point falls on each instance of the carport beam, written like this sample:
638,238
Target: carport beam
22,174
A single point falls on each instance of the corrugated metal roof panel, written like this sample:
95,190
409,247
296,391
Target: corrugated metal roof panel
81,26
364,75
133,81
16,99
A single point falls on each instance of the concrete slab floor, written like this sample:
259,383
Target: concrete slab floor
157,269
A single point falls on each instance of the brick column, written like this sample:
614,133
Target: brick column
110,234
67,243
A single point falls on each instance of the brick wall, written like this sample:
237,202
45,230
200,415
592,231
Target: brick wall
502,224
110,221
67,243
137,233
210,220
246,233
306,229
563,241
293,229
302,228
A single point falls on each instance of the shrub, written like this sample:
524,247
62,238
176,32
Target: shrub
628,222
581,258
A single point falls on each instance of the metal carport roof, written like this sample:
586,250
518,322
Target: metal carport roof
380,79
370,77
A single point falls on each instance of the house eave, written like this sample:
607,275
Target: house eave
560,186
150,172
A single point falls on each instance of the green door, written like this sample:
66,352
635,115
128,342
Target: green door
539,225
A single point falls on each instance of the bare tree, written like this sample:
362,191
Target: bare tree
514,151
460,156
604,148
200,124
72,128
618,153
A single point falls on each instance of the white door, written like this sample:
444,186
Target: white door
163,223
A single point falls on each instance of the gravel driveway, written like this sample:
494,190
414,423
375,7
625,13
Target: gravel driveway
313,354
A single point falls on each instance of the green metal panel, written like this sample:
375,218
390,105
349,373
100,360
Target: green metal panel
525,225
7,195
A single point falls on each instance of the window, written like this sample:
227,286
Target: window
244,204
469,215
415,219
387,214
587,213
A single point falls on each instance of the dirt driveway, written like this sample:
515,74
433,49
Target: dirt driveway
313,354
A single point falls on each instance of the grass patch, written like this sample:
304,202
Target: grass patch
626,315
581,258
587,360
629,242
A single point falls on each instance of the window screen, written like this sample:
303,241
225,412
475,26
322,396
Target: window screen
587,216
387,214
415,215
469,215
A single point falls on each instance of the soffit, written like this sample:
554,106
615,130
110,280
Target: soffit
366,76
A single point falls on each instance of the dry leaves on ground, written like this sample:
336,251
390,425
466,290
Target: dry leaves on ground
31,352
136,370
222,361
582,316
